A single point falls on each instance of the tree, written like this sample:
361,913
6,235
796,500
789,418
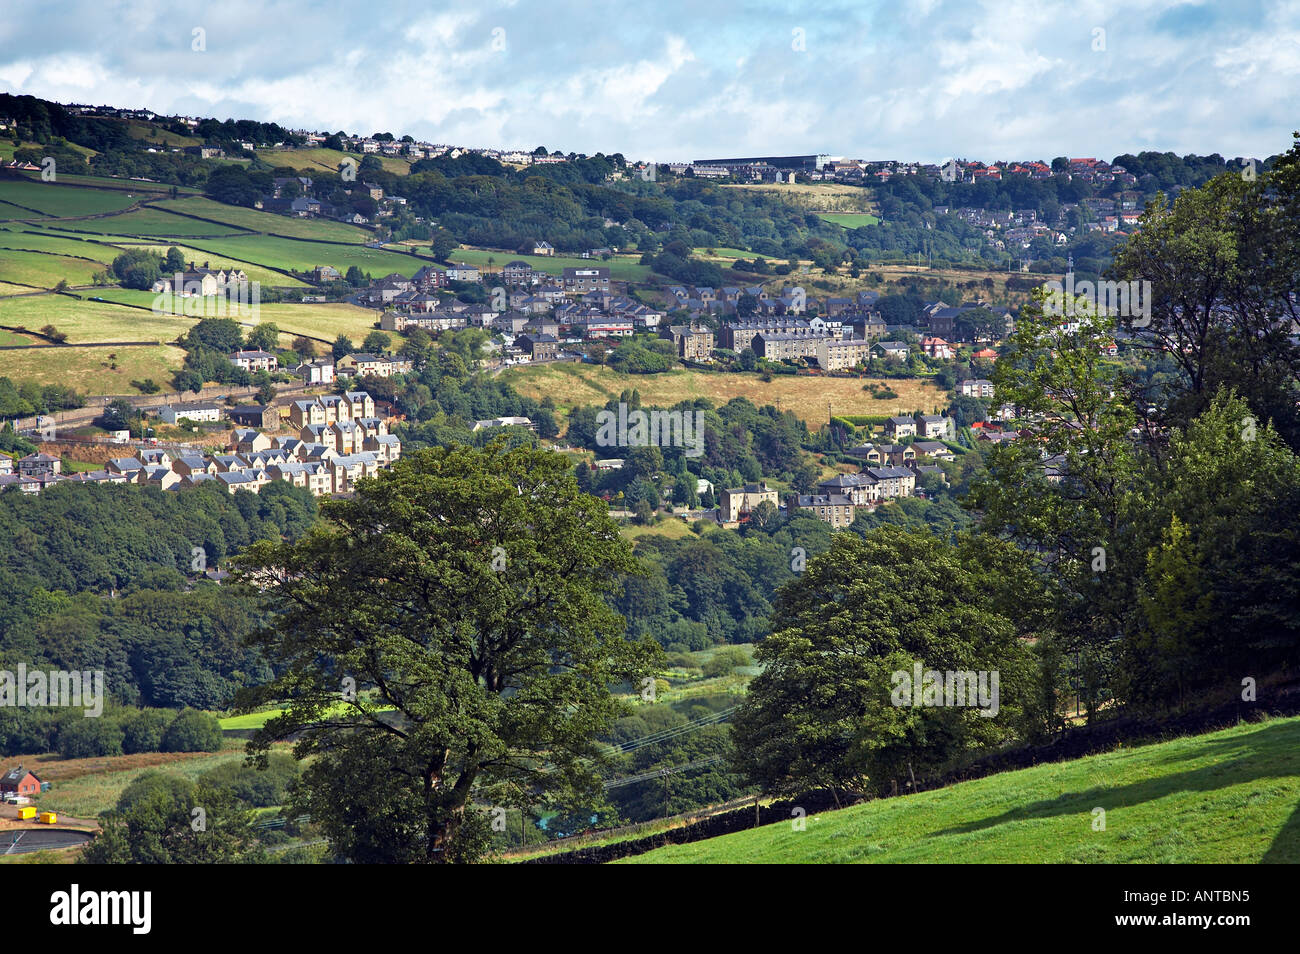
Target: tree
192,731
188,381
418,346
355,277
174,261
1084,527
823,712
265,387
1222,561
377,342
444,243
120,414
167,819
460,594
138,268
265,337
144,731
220,334
1220,264
305,348
342,347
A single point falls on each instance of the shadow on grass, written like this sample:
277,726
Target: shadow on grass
1267,753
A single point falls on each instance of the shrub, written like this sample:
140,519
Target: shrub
144,731
192,731
83,738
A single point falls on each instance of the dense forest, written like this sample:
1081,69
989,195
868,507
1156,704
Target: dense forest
104,578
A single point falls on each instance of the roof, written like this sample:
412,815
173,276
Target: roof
250,354
16,775
824,500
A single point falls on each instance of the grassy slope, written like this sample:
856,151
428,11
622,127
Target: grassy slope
49,198
260,221
621,267
806,396
1224,797
850,220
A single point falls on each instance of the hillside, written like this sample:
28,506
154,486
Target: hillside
1224,797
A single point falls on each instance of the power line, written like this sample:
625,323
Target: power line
662,735
661,773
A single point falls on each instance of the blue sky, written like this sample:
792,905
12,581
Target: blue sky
671,79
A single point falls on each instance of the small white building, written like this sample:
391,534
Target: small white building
197,412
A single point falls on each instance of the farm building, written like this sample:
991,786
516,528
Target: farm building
20,781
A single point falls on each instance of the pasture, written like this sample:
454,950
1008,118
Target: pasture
570,385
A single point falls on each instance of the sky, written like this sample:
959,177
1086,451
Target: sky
679,80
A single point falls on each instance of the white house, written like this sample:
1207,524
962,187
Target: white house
198,412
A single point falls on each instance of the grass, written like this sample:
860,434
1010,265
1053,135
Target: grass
327,160
302,256
815,196
13,338
155,221
1227,797
39,240
85,322
850,220
84,788
249,720
258,221
71,466
52,199
153,133
622,268
45,269
673,528
570,385
89,369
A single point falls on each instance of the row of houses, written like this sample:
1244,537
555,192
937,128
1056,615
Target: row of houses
318,466
523,283
837,498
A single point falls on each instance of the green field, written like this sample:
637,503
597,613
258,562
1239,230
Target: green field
91,321
850,220
1229,797
257,221
46,270
53,199
255,273
571,385
621,267
287,253
153,221
13,338
41,240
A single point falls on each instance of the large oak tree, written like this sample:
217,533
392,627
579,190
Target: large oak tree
461,595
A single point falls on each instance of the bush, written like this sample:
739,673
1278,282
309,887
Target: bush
192,731
725,660
256,788
144,730
81,737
